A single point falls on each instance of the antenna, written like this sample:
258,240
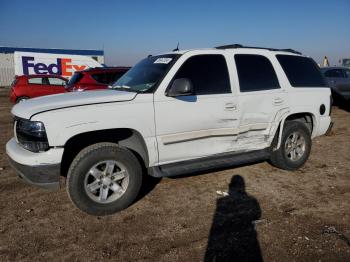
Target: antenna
177,47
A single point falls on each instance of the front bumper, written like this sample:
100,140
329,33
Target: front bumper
39,169
46,176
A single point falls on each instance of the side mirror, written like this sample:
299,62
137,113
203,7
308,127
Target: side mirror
181,87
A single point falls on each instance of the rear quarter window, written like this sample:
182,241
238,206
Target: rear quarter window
301,71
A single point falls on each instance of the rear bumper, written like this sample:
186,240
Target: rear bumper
323,125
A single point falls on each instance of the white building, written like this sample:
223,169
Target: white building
7,67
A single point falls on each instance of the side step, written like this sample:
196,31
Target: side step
207,163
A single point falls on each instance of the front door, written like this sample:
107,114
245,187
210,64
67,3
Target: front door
202,124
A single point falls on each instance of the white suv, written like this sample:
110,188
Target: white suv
171,114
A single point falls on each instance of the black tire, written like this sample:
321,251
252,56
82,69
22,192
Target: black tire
21,98
89,157
280,159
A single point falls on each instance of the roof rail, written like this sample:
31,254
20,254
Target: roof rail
233,46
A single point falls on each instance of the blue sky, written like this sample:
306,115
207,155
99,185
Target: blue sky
130,30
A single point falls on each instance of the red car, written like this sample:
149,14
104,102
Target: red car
29,86
95,78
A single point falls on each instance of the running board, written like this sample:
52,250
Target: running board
213,162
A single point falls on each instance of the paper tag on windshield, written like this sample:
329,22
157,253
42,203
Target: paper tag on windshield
162,60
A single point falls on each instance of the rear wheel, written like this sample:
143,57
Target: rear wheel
295,146
103,179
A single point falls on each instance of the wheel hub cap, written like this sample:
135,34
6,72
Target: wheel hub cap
295,146
106,181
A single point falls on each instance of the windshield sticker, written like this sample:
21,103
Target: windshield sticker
162,60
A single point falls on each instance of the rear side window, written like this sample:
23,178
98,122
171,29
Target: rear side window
255,73
301,71
334,73
35,81
208,74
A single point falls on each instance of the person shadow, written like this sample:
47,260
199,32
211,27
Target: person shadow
232,235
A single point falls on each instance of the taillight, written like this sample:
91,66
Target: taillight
330,104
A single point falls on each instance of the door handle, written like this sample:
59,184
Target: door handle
278,101
230,106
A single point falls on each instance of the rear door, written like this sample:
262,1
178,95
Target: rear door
261,98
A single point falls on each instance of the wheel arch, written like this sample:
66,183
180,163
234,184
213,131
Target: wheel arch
307,118
124,137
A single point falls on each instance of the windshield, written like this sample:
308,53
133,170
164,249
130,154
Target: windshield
146,74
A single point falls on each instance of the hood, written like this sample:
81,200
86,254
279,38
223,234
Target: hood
47,103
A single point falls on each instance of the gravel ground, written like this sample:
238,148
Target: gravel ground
269,214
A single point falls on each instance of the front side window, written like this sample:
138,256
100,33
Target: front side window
35,81
145,75
208,74
255,73
347,73
338,73
301,71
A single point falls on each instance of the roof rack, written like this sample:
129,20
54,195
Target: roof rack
233,46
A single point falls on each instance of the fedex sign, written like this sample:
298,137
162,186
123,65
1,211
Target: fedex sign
63,66
27,63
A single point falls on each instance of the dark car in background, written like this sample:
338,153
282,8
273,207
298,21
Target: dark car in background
338,79
95,78
29,86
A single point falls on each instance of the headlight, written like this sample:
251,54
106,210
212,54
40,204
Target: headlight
31,135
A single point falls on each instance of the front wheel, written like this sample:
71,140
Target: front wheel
103,179
295,147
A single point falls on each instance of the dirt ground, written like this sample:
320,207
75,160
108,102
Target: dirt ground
271,214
